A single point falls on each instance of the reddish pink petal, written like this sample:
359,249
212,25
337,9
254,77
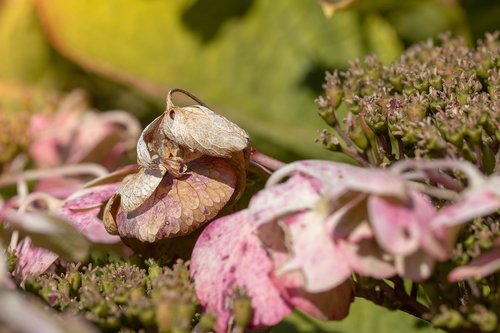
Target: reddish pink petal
476,203
314,253
398,226
332,304
228,256
181,205
32,260
485,265
82,209
297,193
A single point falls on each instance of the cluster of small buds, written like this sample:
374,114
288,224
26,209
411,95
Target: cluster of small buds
119,295
439,99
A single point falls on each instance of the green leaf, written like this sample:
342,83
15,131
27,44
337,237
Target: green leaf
364,317
262,65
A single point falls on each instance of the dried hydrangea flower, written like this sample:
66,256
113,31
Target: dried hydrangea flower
192,164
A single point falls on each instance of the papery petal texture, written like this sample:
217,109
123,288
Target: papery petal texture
228,256
180,205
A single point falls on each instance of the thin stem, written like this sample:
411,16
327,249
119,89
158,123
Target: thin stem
436,192
409,305
445,180
70,170
185,92
265,161
349,149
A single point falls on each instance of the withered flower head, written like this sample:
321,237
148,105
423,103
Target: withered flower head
192,164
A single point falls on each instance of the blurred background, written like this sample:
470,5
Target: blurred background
260,63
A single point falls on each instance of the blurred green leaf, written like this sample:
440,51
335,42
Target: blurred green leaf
364,317
261,63
382,38
25,53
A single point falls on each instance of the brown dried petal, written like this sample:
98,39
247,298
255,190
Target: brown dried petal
138,187
178,206
200,129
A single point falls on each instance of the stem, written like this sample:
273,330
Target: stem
436,192
185,92
408,304
71,170
265,161
445,180
349,149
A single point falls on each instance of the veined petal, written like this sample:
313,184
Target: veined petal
228,255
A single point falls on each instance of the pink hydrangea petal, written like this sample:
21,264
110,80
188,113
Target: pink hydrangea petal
332,304
478,202
314,253
32,260
228,255
398,226
298,193
58,187
417,266
376,181
484,265
330,173
367,258
82,209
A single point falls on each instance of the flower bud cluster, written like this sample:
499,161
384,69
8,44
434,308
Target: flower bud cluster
119,295
439,99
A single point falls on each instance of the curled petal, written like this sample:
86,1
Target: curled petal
417,266
398,226
298,193
367,258
139,187
474,203
313,252
485,265
228,256
200,129
179,205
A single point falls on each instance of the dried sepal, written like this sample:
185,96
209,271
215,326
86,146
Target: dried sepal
192,163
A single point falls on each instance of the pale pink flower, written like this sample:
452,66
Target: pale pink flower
229,257
75,134
335,219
